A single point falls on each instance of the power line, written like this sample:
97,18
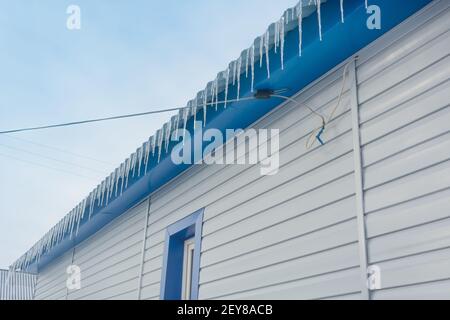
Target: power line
57,149
132,115
47,167
52,159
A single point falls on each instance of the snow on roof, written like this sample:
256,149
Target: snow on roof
117,181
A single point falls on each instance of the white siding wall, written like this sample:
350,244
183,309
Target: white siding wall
109,262
295,234
404,95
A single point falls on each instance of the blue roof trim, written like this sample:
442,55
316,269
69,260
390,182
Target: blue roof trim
340,41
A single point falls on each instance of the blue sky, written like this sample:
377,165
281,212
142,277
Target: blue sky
129,56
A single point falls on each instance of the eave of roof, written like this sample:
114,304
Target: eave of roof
340,41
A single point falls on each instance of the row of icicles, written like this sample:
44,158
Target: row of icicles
137,163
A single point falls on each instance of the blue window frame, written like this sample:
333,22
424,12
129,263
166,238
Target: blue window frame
172,273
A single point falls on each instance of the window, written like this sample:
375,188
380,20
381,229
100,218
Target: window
188,259
181,266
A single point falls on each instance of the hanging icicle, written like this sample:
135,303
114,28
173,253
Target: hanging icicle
282,30
227,79
319,17
300,28
252,65
266,47
193,107
342,11
247,58
238,75
185,119
177,123
205,101
140,156
167,134
234,72
216,87
277,35
367,4
261,48
160,136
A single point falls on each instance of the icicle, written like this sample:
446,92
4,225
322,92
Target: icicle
112,183
133,164
160,136
205,100
367,4
277,35
247,62
153,142
282,43
117,178
127,170
177,123
122,176
146,155
140,153
300,28
253,67
342,11
227,79
216,86
185,119
261,48
167,134
239,66
102,192
319,17
266,46
234,72
193,105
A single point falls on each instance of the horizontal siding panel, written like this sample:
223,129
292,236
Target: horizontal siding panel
279,251
150,291
402,69
309,243
438,290
302,185
333,284
429,208
418,33
418,132
418,107
285,221
320,263
412,160
411,241
406,91
412,186
427,267
105,270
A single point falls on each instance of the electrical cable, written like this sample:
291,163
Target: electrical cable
57,149
132,115
47,167
52,159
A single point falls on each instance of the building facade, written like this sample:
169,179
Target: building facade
365,216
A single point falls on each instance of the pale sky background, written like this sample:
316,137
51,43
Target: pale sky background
129,56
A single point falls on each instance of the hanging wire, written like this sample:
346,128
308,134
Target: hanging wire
132,115
316,134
